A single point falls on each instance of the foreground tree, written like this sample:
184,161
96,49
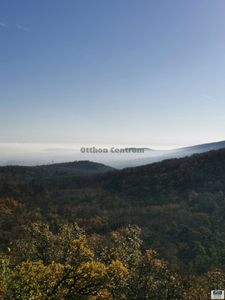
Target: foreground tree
73,275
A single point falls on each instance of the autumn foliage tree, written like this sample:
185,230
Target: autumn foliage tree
57,266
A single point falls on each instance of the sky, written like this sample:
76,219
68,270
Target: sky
112,72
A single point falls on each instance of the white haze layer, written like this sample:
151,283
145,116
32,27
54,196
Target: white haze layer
48,153
31,154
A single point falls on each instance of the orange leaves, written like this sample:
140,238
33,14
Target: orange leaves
7,205
97,224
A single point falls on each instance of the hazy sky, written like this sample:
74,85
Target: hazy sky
131,72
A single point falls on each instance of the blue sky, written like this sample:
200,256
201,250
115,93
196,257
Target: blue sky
112,72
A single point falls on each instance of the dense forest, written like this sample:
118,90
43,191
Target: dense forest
155,231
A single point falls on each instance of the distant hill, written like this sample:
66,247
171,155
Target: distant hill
76,168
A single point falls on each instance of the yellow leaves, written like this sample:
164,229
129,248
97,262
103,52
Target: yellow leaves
23,280
103,294
55,281
116,270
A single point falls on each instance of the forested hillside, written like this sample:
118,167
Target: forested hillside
178,205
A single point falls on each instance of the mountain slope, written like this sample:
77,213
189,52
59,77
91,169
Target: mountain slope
159,155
